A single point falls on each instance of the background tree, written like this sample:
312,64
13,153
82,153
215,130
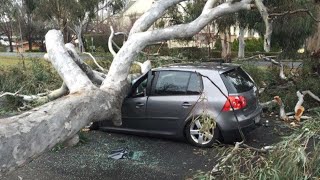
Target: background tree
224,25
27,14
313,42
288,26
81,13
246,20
7,11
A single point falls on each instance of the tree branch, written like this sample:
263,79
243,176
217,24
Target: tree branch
311,94
85,67
210,4
273,15
41,97
152,15
138,41
95,61
110,42
267,21
69,71
216,168
281,74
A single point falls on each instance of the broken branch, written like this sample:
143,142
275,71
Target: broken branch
95,61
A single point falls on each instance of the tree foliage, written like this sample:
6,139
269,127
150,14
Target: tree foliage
290,31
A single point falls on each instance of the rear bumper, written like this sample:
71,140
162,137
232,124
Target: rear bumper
229,126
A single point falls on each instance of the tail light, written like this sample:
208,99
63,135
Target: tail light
237,102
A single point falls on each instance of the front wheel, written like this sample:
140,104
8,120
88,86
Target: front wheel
202,132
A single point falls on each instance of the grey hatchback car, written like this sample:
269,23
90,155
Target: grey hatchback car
201,103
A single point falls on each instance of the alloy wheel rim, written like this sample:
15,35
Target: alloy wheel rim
200,132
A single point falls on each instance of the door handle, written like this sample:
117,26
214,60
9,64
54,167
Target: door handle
186,104
139,104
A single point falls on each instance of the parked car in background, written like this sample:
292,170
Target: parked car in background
192,102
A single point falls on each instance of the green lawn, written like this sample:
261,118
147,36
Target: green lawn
12,61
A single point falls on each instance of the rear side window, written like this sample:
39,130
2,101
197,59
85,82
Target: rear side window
195,84
237,81
177,83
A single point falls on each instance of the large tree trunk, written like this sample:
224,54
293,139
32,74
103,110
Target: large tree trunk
268,23
26,136
10,43
78,30
30,43
241,43
229,46
63,28
226,45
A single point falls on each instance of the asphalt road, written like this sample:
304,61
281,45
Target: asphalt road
153,158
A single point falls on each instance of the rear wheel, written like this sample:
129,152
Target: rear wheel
202,132
94,126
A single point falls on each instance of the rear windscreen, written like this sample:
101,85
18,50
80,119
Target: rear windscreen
237,81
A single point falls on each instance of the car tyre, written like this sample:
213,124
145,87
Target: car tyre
191,136
94,126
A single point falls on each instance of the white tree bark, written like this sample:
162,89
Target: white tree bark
224,45
267,21
241,43
26,136
229,44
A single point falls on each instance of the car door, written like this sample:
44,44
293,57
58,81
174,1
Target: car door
134,106
173,95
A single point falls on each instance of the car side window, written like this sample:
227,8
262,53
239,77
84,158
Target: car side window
139,88
177,83
195,84
172,83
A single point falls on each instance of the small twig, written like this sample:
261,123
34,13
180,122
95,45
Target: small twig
255,149
281,74
294,12
94,60
110,42
11,94
269,59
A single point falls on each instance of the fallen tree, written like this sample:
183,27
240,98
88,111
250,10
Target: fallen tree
26,136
